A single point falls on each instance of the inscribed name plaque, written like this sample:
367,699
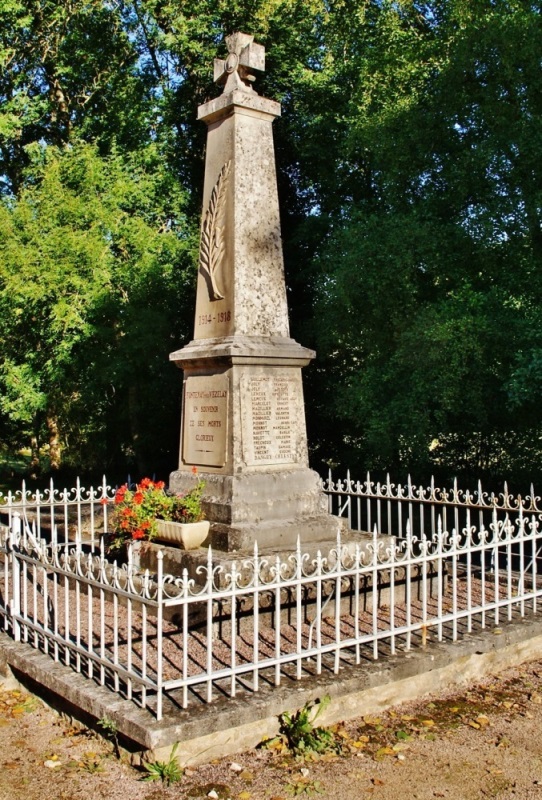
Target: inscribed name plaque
269,419
205,420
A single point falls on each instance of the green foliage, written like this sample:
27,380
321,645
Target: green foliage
95,258
302,785
167,772
110,730
411,194
430,276
186,507
301,735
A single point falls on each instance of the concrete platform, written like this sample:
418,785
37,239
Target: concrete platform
230,726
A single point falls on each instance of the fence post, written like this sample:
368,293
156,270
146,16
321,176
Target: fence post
159,634
14,538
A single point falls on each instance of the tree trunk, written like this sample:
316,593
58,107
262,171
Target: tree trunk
54,441
34,456
133,416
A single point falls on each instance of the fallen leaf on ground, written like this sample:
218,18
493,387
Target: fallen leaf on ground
384,751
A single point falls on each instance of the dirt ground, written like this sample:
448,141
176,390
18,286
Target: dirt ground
483,741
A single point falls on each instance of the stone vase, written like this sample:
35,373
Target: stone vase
186,535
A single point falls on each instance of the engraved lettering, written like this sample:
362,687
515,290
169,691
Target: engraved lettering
206,408
270,429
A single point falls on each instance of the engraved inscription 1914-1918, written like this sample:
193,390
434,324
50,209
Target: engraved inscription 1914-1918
205,420
269,420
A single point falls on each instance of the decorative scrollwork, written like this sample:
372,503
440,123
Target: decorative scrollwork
432,495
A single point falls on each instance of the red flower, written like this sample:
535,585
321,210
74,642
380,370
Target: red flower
104,501
138,498
124,524
139,534
145,526
195,470
159,485
146,483
127,512
121,491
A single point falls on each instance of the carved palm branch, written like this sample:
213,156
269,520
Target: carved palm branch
212,244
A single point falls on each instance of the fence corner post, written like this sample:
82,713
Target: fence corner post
13,540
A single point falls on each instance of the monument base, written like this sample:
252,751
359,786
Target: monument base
277,536
272,508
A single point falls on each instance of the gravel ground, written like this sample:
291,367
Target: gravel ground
119,635
480,742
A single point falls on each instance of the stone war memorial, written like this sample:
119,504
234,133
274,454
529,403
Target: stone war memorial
243,419
194,654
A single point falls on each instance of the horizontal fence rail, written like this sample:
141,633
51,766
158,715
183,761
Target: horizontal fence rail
75,515
390,507
169,642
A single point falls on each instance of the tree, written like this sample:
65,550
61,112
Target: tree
96,262
430,277
410,188
124,78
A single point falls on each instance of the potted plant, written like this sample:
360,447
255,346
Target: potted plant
182,521
150,512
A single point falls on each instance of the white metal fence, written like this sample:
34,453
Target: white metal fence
391,507
167,642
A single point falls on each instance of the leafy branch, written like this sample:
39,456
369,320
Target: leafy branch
212,244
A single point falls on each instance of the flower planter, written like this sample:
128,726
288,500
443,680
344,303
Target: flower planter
188,535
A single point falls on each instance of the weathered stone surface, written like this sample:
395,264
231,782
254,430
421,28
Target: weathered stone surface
243,422
232,725
241,287
205,420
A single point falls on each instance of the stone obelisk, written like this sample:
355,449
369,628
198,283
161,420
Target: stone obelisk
243,418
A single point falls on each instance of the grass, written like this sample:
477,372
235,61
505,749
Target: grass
167,772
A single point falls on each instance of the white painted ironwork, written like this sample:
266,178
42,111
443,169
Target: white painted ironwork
164,641
391,507
76,515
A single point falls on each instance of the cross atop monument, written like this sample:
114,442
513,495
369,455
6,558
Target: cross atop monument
243,57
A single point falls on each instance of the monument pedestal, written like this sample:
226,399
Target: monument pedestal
244,433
